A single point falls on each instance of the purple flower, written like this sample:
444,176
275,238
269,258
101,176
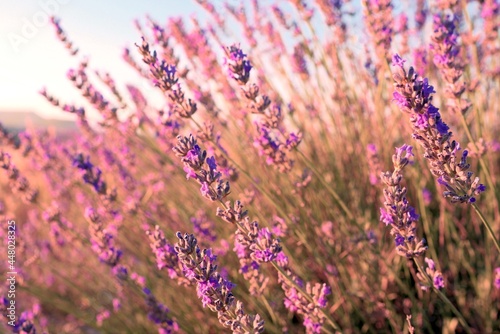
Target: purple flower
427,195
214,290
159,314
238,65
414,95
203,170
435,276
165,254
91,174
397,212
438,281
399,240
386,217
496,281
397,60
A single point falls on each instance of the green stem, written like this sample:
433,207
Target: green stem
445,299
487,225
335,195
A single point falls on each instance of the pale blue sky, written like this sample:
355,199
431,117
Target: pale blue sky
100,29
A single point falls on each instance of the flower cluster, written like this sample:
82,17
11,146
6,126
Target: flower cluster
102,240
378,19
204,170
215,292
164,77
57,222
413,95
271,141
435,275
7,138
296,302
18,183
397,212
159,314
305,256
23,324
81,81
253,245
446,57
165,254
490,47
91,174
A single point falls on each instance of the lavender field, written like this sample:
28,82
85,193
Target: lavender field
292,166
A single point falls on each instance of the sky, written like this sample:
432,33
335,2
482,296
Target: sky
31,57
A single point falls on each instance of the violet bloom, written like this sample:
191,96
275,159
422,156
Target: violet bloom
215,291
22,324
202,169
274,151
91,174
413,95
203,226
421,14
18,183
61,35
489,47
164,76
269,140
397,212
298,61
447,59
378,19
496,281
102,241
420,59
165,255
427,196
159,314
252,245
435,275
296,302
332,10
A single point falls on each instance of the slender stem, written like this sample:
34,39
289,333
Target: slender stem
445,299
487,225
335,195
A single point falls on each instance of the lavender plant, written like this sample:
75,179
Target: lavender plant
279,114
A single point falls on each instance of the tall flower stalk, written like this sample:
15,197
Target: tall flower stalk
262,246
397,212
413,94
215,291
402,218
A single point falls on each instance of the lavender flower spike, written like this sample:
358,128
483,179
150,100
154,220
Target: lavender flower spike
397,212
214,291
434,274
413,95
204,170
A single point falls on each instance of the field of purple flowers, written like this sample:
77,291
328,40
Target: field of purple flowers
299,167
